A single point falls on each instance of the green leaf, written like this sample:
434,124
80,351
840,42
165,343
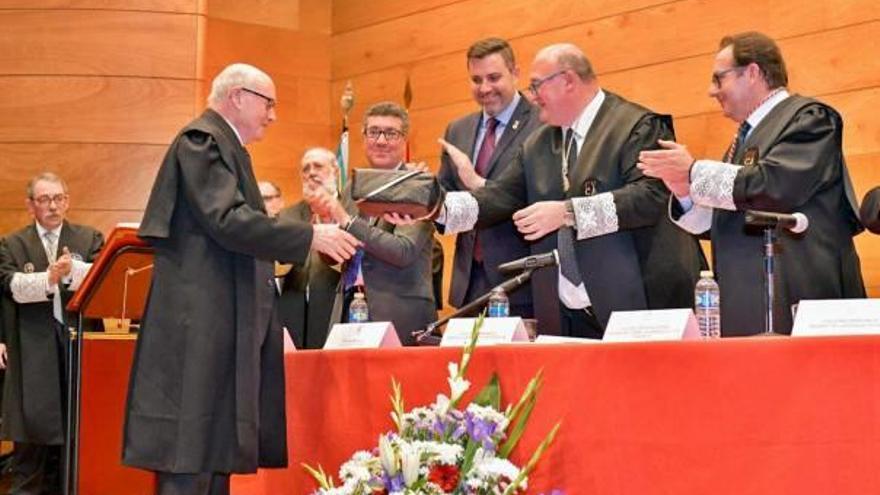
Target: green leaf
320,476
518,428
490,395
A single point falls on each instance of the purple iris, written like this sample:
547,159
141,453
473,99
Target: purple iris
481,430
393,483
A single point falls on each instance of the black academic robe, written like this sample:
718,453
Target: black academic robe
308,321
34,389
206,392
796,165
648,262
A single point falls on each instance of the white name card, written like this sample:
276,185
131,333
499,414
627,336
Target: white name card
372,335
651,324
494,331
559,339
837,317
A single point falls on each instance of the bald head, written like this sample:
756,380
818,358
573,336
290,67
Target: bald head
562,82
319,171
568,56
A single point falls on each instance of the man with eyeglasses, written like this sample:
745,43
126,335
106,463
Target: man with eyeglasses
309,288
206,393
574,186
272,198
41,266
491,138
786,157
394,267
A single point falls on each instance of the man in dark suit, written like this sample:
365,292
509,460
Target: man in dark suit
786,157
394,269
40,267
574,186
506,119
308,290
206,394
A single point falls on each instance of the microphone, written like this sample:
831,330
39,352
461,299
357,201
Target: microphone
795,222
530,263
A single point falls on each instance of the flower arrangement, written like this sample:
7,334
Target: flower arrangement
441,449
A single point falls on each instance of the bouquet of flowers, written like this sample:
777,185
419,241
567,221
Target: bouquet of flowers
442,449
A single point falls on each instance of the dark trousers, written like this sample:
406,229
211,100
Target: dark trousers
580,323
192,484
35,469
479,284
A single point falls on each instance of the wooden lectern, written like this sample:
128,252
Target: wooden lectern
115,290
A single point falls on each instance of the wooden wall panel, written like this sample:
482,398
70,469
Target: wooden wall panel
657,53
177,6
93,109
97,43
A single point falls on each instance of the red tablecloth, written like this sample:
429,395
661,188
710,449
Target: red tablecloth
747,416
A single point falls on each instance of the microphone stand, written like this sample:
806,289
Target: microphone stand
429,337
769,241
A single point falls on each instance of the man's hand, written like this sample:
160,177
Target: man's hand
420,166
3,357
327,206
334,242
539,219
672,165
61,268
463,166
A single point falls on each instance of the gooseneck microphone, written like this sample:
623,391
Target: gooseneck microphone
530,263
794,222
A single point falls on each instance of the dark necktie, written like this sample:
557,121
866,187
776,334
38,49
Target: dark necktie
738,140
565,235
487,149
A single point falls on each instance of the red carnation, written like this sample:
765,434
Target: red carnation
444,476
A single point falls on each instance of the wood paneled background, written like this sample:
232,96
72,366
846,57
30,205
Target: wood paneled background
95,89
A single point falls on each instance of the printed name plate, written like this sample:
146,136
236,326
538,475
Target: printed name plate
837,317
372,335
494,331
651,324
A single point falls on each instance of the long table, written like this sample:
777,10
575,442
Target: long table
738,416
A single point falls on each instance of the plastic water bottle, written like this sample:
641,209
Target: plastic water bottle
707,306
499,306
358,312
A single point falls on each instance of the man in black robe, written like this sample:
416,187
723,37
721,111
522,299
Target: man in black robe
574,185
787,157
41,266
206,394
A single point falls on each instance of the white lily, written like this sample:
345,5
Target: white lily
387,455
457,387
409,460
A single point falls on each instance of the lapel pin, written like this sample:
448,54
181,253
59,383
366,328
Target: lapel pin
515,125
29,267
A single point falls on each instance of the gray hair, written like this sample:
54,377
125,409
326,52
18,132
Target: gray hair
47,177
319,153
234,75
569,56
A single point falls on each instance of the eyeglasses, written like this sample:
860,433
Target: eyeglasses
391,135
717,77
536,84
270,102
45,199
270,197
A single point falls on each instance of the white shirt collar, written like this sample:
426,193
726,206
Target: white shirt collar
237,135
41,231
764,108
584,121
504,116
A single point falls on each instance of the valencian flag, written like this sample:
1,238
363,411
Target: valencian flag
347,101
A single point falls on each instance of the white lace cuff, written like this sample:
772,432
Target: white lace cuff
712,184
461,212
595,215
31,287
78,271
696,220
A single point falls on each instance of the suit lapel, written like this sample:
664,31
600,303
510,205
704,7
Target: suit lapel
35,249
514,126
247,181
587,160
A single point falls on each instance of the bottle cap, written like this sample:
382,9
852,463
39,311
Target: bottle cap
706,274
